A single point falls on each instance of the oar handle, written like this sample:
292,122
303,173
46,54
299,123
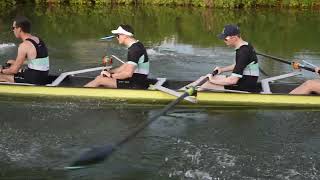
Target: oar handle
6,65
215,72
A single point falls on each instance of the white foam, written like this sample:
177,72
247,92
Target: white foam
153,52
7,45
196,174
225,159
195,159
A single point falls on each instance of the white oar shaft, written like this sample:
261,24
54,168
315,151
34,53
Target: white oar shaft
118,59
310,64
107,37
62,76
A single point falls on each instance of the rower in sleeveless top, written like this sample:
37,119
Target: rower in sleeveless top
33,50
132,74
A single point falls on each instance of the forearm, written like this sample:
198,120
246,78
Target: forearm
117,70
121,75
224,80
228,68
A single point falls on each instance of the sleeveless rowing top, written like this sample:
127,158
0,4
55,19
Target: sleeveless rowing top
41,62
137,55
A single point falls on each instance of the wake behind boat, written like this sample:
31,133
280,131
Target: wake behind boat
69,86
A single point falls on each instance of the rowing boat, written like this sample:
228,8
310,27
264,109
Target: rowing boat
68,86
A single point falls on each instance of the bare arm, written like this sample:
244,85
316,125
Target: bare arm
17,64
227,68
230,80
127,71
118,69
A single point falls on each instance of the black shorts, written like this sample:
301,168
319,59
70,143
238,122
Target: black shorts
252,89
132,84
246,83
32,77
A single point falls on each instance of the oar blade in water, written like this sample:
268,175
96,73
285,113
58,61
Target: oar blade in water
93,156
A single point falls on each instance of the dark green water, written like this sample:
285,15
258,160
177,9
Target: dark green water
38,138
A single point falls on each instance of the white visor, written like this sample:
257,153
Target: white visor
120,30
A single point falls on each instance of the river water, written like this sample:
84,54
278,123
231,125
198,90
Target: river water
38,138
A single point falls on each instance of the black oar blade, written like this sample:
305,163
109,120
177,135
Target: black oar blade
93,156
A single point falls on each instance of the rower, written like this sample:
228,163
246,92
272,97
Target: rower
134,73
245,70
310,86
32,49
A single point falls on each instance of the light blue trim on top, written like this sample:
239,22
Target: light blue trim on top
236,75
40,64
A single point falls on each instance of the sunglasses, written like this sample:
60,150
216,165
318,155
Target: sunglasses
227,38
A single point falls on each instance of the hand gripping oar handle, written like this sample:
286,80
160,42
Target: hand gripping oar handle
295,65
215,72
6,65
99,154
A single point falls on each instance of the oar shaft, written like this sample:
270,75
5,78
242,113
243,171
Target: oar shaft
98,154
310,64
275,58
151,120
286,62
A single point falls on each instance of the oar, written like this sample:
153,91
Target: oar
295,65
310,64
99,154
107,37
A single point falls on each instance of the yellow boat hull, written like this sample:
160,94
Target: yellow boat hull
152,97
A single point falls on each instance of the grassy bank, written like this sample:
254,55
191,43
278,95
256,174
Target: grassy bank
302,4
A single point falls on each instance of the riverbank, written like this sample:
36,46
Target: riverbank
299,4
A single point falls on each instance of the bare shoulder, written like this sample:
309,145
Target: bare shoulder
24,45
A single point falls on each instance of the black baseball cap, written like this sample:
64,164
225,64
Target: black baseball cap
229,30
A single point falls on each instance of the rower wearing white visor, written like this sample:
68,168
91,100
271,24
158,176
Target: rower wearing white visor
134,73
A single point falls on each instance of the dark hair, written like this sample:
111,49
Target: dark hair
23,23
127,28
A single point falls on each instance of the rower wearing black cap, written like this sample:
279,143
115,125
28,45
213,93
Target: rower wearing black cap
133,73
245,70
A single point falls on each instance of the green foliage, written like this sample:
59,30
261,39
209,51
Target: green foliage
229,4
278,31
7,3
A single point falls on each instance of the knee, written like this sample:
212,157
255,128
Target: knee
309,83
98,79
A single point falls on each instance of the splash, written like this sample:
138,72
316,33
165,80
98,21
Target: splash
196,174
7,45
